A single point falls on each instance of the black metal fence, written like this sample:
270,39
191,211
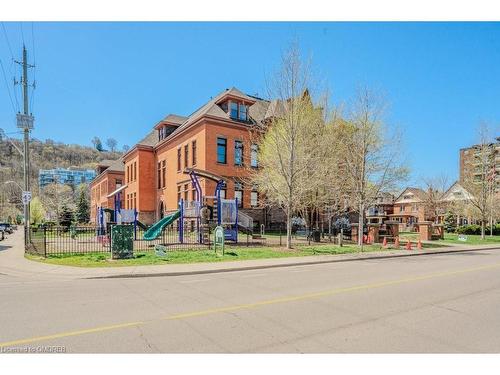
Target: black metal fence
57,240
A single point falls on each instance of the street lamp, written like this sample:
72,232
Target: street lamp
14,182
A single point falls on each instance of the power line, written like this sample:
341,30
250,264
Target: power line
7,85
12,63
7,39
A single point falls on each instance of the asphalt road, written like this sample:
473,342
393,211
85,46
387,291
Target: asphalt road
435,303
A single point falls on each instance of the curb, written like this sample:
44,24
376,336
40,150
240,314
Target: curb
250,268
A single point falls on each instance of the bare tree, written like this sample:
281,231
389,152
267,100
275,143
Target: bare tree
433,203
54,197
111,143
371,158
287,155
479,176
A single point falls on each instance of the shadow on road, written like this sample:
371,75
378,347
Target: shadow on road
3,247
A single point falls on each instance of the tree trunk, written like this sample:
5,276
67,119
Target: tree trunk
289,227
482,228
361,218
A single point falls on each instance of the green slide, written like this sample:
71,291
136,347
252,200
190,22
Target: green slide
155,231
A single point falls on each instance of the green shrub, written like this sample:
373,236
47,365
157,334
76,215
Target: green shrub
469,229
476,229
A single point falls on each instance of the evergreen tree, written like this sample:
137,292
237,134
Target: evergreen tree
66,216
450,222
83,207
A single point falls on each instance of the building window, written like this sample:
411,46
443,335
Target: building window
135,200
222,150
253,156
178,193
222,194
118,183
193,195
238,193
234,110
193,152
159,175
164,173
135,171
238,153
242,115
186,192
254,199
178,160
186,156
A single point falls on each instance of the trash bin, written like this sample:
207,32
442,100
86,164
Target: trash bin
316,236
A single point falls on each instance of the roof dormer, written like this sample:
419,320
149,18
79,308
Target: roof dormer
236,104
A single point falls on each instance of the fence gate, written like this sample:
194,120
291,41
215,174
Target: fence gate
37,244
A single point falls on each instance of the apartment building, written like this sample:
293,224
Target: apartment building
68,176
470,163
218,137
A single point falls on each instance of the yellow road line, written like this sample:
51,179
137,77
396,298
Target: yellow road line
252,305
68,334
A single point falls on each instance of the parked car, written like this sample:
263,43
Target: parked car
7,228
2,234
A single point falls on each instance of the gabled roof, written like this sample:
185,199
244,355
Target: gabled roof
450,195
171,120
211,108
116,166
175,119
150,140
419,194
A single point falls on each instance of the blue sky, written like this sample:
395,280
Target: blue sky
118,79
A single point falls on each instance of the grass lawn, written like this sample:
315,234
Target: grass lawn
472,239
198,256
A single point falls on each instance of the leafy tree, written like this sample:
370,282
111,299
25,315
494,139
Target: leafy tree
111,143
96,141
83,206
371,156
37,212
54,197
66,216
290,146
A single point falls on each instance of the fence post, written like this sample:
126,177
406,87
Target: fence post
44,242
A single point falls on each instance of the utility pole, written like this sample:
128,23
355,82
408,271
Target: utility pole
25,122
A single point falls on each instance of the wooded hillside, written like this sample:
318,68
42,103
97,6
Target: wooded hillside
44,155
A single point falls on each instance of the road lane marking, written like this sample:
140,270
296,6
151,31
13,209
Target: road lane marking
253,305
68,334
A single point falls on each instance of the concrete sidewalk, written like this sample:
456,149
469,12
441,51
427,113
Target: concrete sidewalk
13,263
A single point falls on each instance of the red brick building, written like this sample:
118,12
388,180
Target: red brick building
217,138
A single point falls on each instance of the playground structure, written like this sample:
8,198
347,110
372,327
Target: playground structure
116,215
200,214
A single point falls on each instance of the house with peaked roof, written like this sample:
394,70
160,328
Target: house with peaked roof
217,137
409,208
455,200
